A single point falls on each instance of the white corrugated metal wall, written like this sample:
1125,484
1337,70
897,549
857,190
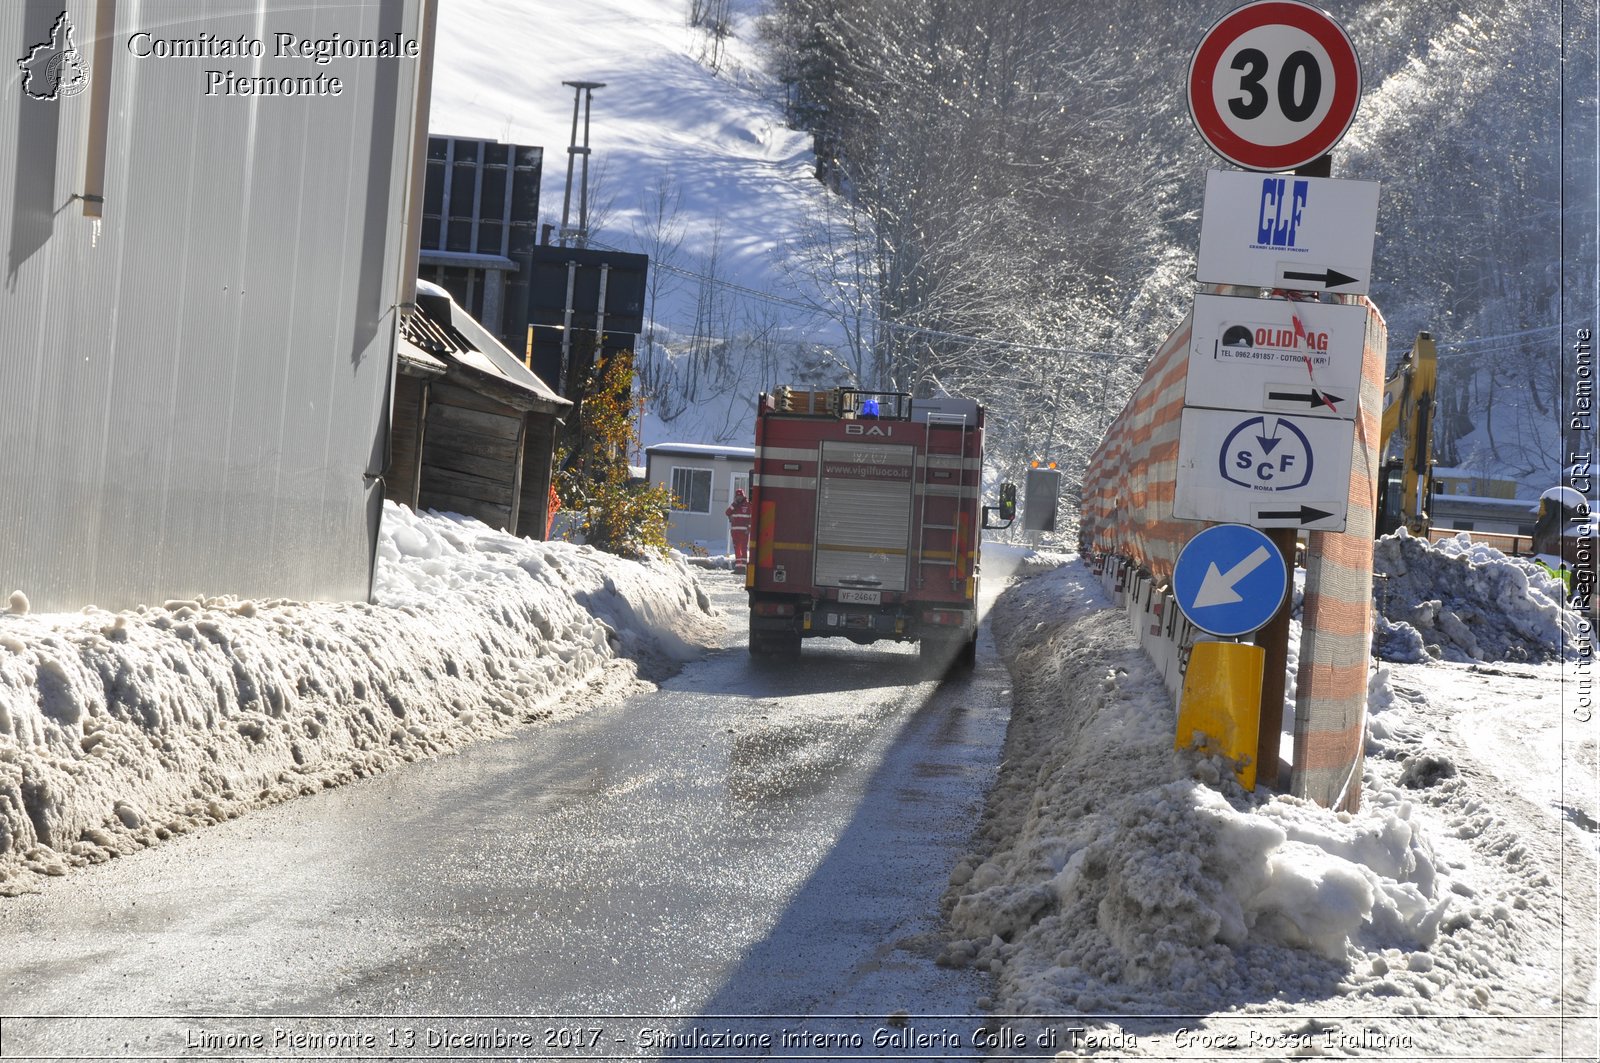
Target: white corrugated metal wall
193,388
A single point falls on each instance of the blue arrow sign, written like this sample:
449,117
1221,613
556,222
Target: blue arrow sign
1229,580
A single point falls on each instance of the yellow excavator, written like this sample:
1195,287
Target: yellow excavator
1405,481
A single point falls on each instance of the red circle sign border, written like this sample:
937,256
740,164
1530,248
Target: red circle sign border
1341,113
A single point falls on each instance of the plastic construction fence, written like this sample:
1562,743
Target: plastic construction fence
1127,512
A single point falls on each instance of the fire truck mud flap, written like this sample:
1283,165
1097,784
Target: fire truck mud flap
774,644
773,638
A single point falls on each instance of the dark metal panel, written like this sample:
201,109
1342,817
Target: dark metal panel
483,198
477,198
625,281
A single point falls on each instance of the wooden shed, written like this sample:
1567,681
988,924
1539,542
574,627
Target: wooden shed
473,429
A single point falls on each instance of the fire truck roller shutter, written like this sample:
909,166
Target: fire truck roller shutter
864,515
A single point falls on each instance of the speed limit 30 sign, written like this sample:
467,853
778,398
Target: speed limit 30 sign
1274,85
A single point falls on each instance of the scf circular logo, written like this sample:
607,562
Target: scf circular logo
1267,456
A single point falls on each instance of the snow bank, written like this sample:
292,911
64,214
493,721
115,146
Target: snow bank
1463,601
118,730
1118,875
1124,887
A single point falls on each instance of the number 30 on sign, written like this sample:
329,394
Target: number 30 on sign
1274,85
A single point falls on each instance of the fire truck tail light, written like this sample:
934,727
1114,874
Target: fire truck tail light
773,608
947,617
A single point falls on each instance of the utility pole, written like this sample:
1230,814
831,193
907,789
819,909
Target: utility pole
582,97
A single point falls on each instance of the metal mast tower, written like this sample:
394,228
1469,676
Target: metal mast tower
582,96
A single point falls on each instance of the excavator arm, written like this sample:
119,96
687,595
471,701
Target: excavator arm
1406,479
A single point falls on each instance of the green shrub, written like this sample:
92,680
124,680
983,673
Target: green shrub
614,513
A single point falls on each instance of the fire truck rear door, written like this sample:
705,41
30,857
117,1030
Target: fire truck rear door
863,515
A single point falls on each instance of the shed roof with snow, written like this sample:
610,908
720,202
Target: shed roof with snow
473,428
700,450
442,333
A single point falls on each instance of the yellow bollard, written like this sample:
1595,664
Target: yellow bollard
1222,702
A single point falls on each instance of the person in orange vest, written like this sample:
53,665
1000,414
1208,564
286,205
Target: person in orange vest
738,516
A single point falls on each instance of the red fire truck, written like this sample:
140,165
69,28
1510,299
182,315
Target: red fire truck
867,521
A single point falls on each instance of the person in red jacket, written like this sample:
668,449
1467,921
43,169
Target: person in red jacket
738,516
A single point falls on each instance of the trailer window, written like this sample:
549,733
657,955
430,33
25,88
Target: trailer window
691,490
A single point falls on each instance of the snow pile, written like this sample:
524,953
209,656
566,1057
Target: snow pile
1031,562
117,730
1399,642
1463,601
644,611
1003,561
1122,885
1122,875
1489,762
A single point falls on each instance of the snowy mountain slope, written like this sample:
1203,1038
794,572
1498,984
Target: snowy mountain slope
743,181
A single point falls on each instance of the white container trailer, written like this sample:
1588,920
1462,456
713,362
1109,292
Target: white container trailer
702,478
206,226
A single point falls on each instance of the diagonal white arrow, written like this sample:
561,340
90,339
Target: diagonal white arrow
1217,587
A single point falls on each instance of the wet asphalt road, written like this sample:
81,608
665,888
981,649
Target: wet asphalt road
752,839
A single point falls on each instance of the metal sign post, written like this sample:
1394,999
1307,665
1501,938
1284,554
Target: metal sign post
582,95
1273,86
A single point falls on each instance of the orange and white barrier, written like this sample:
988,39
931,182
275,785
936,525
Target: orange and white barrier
1127,519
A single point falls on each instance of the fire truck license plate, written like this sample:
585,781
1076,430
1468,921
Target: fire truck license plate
861,597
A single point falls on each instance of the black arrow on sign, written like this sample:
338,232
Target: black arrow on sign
1314,399
1304,515
1330,278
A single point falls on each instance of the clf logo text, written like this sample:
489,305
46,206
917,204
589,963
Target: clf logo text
1282,206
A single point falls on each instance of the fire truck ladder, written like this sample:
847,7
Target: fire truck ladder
947,441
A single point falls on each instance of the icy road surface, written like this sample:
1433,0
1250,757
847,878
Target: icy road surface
750,839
